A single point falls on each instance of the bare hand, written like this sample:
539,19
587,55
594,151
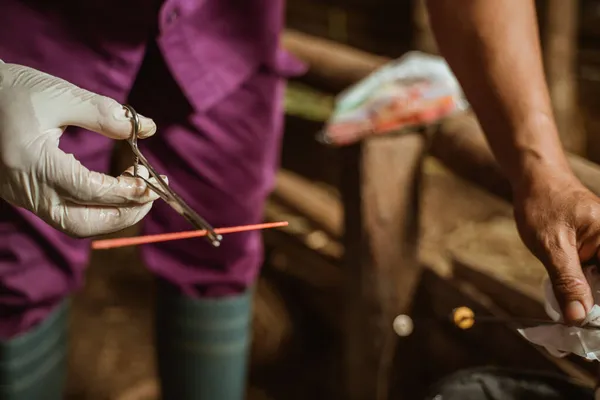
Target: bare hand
559,220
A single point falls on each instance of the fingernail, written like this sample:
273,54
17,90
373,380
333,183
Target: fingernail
575,311
148,127
145,118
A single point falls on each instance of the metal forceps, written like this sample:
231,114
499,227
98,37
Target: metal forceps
531,322
164,191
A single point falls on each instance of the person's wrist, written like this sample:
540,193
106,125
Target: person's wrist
537,172
540,158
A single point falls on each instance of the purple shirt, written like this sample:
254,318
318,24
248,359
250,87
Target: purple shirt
221,54
210,46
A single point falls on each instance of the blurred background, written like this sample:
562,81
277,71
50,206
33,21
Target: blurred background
417,223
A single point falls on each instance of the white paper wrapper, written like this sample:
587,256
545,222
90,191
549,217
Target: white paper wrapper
560,340
416,90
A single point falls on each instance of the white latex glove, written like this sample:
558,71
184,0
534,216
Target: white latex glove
36,175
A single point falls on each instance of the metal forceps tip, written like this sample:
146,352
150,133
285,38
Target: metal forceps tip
164,190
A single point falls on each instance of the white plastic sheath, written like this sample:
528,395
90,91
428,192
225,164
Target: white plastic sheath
560,340
36,175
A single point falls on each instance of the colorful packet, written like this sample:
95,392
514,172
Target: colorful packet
414,91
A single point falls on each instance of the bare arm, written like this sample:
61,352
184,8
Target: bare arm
493,48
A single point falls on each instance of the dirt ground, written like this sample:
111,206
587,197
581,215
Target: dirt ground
111,337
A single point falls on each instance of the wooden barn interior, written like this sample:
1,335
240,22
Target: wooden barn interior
418,223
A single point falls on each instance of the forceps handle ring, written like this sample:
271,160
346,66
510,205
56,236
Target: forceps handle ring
165,191
137,126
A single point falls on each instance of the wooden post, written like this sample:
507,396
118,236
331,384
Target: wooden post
560,57
380,187
380,191
423,36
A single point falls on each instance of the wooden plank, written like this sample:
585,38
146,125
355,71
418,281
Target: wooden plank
449,203
380,191
506,346
491,257
589,24
560,59
320,206
361,24
332,66
438,348
320,261
492,251
460,145
424,39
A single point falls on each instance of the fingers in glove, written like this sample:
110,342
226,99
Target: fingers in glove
143,172
67,104
84,221
104,115
568,280
80,185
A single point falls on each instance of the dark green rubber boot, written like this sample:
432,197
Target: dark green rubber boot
33,365
202,346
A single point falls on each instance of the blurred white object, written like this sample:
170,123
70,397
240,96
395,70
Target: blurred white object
415,90
414,65
403,325
561,340
36,175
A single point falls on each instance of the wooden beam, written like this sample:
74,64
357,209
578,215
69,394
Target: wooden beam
458,142
560,58
322,281
461,146
499,342
333,66
424,39
380,191
317,205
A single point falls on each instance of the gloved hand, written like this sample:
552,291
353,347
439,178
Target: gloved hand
36,175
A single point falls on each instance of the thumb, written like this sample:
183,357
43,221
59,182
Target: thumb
570,286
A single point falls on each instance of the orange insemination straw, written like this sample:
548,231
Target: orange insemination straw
164,237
